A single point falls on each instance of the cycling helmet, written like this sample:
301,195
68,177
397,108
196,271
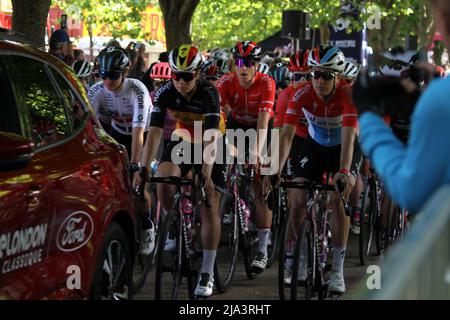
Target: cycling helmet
263,68
212,72
280,73
161,70
350,70
327,57
246,49
113,59
298,62
82,68
185,58
220,58
396,61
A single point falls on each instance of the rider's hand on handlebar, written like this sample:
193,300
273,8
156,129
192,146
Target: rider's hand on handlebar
341,182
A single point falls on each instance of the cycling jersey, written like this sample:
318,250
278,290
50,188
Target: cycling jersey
204,106
170,123
301,128
128,108
325,119
245,104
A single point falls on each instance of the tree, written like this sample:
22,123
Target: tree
177,18
29,18
118,18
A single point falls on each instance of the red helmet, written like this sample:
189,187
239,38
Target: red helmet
161,70
298,62
247,49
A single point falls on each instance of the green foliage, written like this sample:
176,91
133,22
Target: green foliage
222,22
118,17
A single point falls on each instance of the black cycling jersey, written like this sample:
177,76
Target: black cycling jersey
204,106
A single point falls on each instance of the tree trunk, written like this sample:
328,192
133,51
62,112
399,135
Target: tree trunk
29,18
324,33
91,42
177,19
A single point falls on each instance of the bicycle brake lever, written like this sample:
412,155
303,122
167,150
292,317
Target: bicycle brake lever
341,193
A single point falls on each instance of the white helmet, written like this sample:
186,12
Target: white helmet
327,57
82,68
263,68
395,62
351,70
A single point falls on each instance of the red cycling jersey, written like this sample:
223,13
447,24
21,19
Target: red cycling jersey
245,104
280,111
325,119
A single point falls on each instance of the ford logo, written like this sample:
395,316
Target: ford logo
75,231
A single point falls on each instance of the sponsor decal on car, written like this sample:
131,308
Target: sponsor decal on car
75,231
22,248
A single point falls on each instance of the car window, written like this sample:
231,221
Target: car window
76,112
34,92
9,120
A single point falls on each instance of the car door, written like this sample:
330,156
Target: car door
25,214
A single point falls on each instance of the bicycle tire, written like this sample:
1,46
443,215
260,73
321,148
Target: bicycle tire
306,232
228,250
175,257
282,287
278,216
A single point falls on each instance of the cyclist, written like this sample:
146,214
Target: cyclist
281,74
263,68
83,70
349,76
125,103
248,98
330,147
188,98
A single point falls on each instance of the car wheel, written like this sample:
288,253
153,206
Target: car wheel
113,277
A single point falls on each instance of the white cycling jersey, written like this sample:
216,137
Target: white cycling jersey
128,108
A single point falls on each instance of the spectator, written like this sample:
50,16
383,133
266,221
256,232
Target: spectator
411,173
61,46
78,55
137,56
113,43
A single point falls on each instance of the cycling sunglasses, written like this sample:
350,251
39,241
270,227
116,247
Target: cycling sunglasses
241,62
325,75
298,76
186,76
113,76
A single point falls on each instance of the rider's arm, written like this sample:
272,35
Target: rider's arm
137,142
141,108
265,111
348,142
348,134
212,124
286,137
414,172
151,145
263,124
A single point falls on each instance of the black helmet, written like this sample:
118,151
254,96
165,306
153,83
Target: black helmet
113,59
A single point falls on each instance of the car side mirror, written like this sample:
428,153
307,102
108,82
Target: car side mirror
15,151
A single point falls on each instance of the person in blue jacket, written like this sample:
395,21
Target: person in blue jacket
411,173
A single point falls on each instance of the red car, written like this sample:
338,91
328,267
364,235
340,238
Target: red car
67,223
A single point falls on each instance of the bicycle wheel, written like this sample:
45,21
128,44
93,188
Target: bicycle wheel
143,263
278,216
283,287
227,252
306,233
364,240
168,273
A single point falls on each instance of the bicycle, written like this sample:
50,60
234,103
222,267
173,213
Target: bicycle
143,263
315,231
182,224
371,219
